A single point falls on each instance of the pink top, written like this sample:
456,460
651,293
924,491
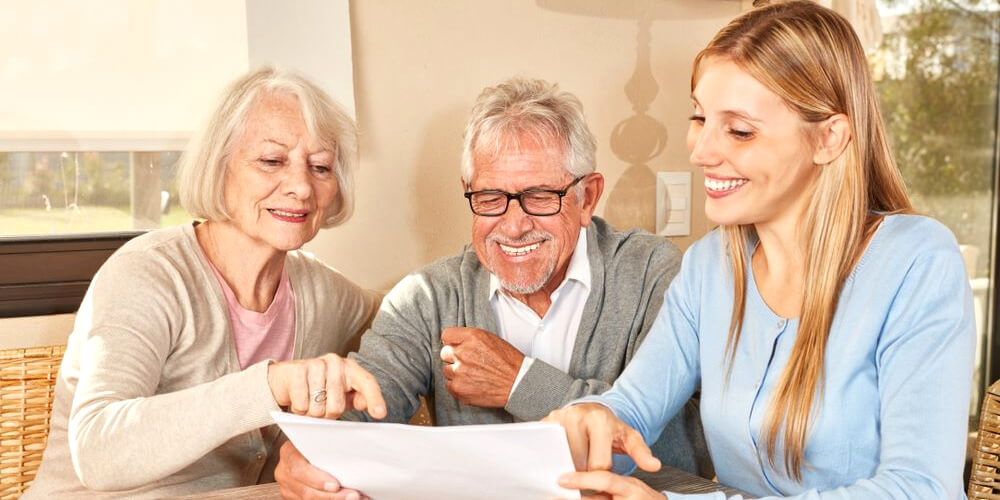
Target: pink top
267,335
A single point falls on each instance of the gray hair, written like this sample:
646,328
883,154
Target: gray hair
203,165
536,107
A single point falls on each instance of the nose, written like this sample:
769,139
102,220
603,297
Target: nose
702,145
515,222
298,180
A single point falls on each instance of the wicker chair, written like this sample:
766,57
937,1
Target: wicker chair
984,481
27,388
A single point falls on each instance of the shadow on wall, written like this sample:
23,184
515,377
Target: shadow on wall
437,187
639,138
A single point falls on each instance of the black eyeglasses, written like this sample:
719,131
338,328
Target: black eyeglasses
540,202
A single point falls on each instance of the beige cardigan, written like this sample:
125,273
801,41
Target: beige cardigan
150,400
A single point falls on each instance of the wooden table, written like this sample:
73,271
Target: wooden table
667,478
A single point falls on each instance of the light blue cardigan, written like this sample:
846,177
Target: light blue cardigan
893,416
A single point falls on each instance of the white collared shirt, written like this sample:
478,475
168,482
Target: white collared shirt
550,338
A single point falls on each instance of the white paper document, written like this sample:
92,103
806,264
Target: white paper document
401,462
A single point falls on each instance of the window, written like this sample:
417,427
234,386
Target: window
936,73
106,99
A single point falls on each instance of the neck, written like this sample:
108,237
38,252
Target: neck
251,270
778,265
541,300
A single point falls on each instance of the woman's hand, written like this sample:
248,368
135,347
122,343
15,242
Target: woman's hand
325,387
594,433
608,485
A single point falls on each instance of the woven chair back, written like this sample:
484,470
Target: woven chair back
984,481
27,388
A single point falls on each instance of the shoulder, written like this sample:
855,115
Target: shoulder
708,251
632,246
445,276
917,231
304,267
157,254
904,239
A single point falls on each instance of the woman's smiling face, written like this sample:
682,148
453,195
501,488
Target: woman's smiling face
280,181
753,148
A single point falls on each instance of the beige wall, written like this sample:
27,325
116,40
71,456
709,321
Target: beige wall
418,66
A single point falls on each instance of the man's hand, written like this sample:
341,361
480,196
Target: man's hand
297,479
480,367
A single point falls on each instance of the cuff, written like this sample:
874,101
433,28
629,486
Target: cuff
542,389
525,365
715,495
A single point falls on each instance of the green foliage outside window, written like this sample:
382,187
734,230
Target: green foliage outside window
936,73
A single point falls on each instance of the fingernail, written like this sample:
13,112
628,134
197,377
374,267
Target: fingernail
353,496
331,486
563,480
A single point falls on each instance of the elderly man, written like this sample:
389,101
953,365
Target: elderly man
547,305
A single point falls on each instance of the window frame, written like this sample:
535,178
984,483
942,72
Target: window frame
50,274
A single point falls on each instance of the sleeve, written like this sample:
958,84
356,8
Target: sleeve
665,370
397,348
129,319
545,388
718,495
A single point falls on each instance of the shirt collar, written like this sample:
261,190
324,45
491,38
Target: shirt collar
578,269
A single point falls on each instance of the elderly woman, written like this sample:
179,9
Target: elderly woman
184,341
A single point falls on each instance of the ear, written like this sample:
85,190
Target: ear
465,187
834,136
593,187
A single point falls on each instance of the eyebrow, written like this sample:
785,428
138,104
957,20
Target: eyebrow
734,113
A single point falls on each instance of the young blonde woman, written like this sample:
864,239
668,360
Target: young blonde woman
829,329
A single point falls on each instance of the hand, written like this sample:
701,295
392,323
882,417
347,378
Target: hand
594,433
609,485
325,387
480,367
297,478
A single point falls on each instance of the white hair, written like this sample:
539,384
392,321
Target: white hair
533,107
203,166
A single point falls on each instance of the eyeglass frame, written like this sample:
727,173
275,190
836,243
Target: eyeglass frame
517,196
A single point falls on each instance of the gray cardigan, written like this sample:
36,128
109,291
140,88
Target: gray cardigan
630,273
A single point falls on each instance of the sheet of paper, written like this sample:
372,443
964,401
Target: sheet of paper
470,462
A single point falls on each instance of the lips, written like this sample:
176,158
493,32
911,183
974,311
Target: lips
719,187
513,251
288,215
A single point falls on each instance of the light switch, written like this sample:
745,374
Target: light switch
673,203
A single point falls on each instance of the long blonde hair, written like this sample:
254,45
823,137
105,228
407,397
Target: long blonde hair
811,57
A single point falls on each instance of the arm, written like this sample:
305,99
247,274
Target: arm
397,348
126,405
129,321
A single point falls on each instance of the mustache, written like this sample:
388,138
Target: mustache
529,237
